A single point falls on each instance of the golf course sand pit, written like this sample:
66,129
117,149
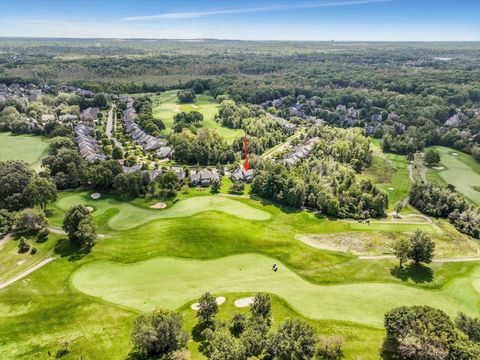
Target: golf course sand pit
391,189
96,196
454,154
438,168
219,300
159,205
171,282
90,209
130,216
244,302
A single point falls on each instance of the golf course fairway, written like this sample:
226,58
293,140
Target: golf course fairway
170,283
130,216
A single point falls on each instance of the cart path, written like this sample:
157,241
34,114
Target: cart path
27,272
444,260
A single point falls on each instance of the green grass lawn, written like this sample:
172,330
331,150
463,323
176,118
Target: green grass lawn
390,172
129,216
169,283
461,170
29,148
212,246
165,107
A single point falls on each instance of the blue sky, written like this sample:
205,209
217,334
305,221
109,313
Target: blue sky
383,20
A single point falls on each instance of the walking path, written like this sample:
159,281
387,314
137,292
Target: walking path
27,272
445,260
4,239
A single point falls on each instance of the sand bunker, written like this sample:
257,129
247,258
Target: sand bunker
220,300
159,205
244,302
95,196
455,154
438,167
390,188
89,208
194,106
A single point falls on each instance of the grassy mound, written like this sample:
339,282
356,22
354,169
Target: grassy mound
129,215
169,283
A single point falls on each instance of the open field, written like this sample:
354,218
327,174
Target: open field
29,148
169,283
460,170
165,107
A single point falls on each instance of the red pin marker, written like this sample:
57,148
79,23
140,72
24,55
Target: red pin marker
246,166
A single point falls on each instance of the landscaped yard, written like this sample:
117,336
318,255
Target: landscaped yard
165,106
29,148
458,169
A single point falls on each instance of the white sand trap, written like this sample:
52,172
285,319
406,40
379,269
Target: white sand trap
194,106
95,196
21,262
390,188
220,300
176,110
158,206
90,209
438,167
244,302
455,154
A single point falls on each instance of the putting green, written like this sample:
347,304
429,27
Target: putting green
170,283
460,170
28,148
130,216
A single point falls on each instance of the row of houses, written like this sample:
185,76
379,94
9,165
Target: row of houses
88,146
141,138
200,177
24,94
300,152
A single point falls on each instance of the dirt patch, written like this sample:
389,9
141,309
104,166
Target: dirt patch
244,302
159,205
356,243
96,196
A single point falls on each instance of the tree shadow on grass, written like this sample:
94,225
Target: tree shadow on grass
65,249
418,273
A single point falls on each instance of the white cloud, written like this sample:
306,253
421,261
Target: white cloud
191,15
